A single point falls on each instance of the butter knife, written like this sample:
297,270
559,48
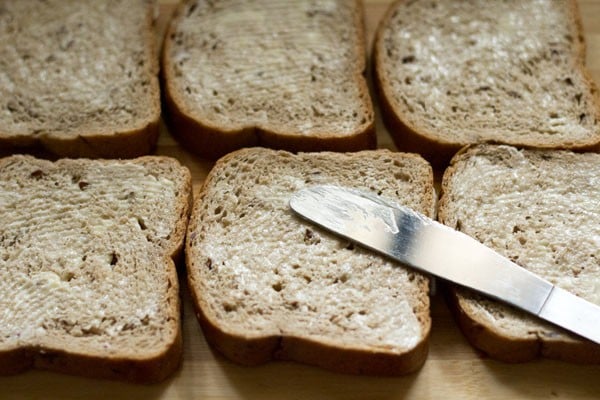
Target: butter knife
422,243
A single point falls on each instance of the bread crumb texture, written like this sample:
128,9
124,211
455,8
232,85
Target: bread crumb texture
261,271
293,67
539,209
473,71
84,256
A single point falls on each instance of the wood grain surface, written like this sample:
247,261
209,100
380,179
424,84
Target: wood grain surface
453,370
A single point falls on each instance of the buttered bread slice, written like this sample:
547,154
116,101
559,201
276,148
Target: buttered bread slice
274,73
78,78
540,209
268,285
453,72
87,280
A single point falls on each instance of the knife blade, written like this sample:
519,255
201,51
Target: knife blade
422,243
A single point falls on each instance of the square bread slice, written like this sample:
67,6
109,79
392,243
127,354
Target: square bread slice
88,285
268,285
78,78
452,73
274,73
540,209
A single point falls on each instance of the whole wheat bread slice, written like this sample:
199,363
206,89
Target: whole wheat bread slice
78,78
87,280
268,285
452,73
540,209
273,73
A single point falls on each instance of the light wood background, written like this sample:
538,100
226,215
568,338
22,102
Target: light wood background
453,370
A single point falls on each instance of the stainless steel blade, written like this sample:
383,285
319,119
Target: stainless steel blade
424,244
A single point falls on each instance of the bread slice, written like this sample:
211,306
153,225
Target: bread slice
273,73
268,285
87,280
78,78
540,209
452,73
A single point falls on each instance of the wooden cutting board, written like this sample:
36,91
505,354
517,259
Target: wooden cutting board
453,370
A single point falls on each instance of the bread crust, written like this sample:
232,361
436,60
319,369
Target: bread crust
484,336
519,349
257,350
254,350
145,368
148,368
213,141
129,142
439,150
